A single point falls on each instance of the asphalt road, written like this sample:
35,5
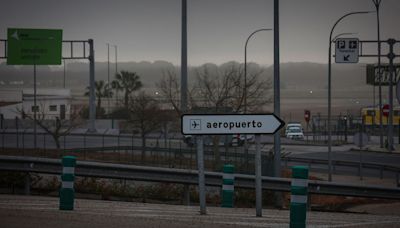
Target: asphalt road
30,212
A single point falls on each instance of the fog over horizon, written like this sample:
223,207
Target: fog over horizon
149,30
147,37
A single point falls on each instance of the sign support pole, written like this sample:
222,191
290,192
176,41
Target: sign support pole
228,124
35,107
92,98
258,177
200,167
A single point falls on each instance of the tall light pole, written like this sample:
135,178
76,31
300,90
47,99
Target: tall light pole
64,74
116,59
257,159
277,100
329,91
245,66
108,74
342,34
184,58
377,4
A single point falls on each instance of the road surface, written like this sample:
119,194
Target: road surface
34,211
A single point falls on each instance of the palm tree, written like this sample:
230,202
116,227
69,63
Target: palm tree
127,82
102,89
117,87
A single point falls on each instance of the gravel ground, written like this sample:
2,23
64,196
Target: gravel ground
34,211
392,209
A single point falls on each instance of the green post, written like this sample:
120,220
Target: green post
298,198
228,186
67,193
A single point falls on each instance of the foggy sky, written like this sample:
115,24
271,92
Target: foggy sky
217,29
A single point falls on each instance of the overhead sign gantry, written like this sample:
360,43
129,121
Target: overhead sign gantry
34,46
45,47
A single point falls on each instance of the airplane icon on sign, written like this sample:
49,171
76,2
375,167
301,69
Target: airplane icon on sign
195,124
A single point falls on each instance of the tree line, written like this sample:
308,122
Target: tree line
214,89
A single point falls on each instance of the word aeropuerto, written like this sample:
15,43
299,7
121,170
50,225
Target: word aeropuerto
232,124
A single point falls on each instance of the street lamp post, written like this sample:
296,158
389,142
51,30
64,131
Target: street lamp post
257,159
245,66
108,74
342,34
116,59
184,71
64,71
329,91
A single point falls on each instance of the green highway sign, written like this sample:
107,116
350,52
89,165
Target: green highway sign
34,46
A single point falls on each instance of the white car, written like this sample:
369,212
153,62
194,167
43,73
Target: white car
292,124
295,133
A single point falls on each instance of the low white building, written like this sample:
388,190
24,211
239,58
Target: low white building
50,102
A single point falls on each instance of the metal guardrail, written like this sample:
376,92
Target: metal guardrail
369,165
381,168
308,161
188,177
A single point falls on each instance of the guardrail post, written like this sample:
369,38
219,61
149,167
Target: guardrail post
228,190
23,143
298,198
27,184
333,166
186,194
67,192
84,146
2,140
118,142
16,132
44,144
